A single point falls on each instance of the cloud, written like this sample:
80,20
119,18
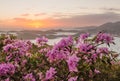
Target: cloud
59,15
87,20
111,9
83,8
25,14
19,19
40,14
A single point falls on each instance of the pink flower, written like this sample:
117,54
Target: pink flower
83,47
8,48
103,50
50,73
24,62
94,56
61,50
8,79
55,55
72,63
29,77
7,69
40,75
17,49
104,37
41,41
28,54
96,71
82,38
68,41
8,41
44,50
52,55
90,73
73,79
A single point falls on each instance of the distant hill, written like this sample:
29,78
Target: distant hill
110,27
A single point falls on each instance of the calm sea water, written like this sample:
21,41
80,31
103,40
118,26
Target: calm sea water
115,47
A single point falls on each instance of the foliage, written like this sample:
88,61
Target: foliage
72,59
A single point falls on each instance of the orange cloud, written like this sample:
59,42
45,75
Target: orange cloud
29,23
72,21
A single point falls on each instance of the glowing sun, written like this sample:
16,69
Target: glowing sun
35,24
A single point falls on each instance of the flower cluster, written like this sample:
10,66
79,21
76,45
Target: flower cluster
72,63
61,50
80,59
41,41
29,77
6,69
17,49
50,73
104,37
83,37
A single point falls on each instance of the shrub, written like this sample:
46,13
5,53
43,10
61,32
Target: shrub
72,59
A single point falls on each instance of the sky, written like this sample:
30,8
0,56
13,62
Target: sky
48,14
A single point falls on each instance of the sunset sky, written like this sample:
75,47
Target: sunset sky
37,14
